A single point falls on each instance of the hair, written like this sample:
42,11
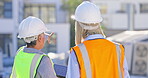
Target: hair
31,44
32,41
81,33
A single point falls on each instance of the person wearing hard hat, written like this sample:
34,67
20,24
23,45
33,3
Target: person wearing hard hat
30,61
94,56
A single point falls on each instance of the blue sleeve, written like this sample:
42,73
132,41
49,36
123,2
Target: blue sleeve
73,67
45,69
126,74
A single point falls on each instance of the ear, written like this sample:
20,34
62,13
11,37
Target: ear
39,38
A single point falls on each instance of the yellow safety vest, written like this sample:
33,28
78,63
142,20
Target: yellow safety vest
25,64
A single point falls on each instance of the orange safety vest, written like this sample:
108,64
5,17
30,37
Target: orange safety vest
100,58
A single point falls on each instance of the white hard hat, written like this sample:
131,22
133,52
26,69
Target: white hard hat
31,26
88,12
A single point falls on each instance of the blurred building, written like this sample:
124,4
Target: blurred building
118,16
12,12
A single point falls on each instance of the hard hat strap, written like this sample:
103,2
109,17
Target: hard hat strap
88,27
29,39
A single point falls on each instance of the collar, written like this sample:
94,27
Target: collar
32,50
95,36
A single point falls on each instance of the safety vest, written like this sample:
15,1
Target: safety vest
25,64
100,58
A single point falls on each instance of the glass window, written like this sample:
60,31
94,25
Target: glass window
27,10
20,43
103,7
1,9
52,16
35,11
42,11
123,8
44,14
6,44
5,9
144,8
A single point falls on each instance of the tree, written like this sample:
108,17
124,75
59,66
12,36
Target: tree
70,6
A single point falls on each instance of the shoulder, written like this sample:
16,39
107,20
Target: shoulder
45,58
73,49
45,63
114,43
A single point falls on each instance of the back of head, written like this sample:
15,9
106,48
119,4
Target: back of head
30,28
88,12
88,18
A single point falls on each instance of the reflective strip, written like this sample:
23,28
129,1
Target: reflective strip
13,73
33,65
86,60
20,49
119,57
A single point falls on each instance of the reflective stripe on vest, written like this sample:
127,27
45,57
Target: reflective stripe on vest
17,72
119,56
13,75
87,60
34,62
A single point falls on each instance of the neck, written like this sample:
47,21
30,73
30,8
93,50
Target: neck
35,47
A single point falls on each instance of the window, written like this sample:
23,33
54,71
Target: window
103,7
5,9
20,43
144,8
8,9
52,14
6,44
42,11
44,14
1,9
123,8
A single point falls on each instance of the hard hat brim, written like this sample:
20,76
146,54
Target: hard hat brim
74,18
47,30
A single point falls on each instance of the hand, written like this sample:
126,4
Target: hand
49,37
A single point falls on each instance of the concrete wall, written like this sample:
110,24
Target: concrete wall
115,20
63,36
7,26
141,21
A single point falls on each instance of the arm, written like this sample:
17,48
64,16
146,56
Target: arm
126,74
45,69
125,66
73,67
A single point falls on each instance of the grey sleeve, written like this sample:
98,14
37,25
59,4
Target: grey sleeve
45,69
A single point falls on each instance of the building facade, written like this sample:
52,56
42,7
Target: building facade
118,16
12,12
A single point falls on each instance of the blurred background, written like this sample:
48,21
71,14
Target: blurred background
125,21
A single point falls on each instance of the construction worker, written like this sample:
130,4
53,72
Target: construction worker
30,61
94,56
